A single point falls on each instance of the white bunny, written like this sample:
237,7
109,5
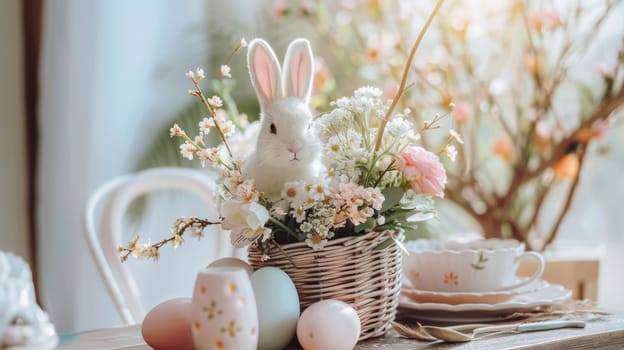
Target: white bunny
287,149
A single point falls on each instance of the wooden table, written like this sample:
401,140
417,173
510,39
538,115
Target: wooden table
605,333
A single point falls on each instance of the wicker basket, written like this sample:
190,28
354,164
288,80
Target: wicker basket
346,269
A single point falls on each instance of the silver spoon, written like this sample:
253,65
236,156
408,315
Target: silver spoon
452,335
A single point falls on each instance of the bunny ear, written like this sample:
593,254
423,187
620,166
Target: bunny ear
265,71
298,69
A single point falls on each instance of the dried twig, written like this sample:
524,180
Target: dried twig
406,71
568,201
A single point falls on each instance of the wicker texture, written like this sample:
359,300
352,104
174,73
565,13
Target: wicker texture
346,269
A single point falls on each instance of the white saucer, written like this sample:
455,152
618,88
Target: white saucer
480,312
455,298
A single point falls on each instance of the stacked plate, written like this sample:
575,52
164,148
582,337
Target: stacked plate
451,283
479,306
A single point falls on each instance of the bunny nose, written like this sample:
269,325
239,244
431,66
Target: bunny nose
295,149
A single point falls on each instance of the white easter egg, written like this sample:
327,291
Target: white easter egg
278,307
328,324
232,262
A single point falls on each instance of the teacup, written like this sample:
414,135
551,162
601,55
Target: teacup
483,265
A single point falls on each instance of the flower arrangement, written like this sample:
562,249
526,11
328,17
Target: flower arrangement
530,111
373,174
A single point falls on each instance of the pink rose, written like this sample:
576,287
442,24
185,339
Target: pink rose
424,171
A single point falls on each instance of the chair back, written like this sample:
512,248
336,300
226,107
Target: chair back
116,195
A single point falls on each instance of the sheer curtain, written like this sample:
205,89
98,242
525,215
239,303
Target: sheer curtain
112,72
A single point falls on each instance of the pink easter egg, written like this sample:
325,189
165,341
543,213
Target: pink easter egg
168,325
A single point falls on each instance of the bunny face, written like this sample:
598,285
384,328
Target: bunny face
285,139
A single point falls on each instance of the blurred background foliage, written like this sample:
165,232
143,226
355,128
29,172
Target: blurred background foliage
523,75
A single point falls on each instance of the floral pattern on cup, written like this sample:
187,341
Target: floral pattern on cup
484,265
480,264
451,279
414,275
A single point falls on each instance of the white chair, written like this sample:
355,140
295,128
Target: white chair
116,195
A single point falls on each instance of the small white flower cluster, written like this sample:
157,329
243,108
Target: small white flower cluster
225,71
400,130
348,132
321,209
449,148
197,75
343,154
146,251
362,110
139,250
237,188
196,146
194,227
364,99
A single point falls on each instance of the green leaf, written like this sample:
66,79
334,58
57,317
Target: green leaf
423,216
392,197
399,215
477,267
366,225
384,244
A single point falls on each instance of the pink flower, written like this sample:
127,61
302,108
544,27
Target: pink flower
187,150
390,89
323,79
279,9
548,20
176,131
462,112
598,130
424,171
